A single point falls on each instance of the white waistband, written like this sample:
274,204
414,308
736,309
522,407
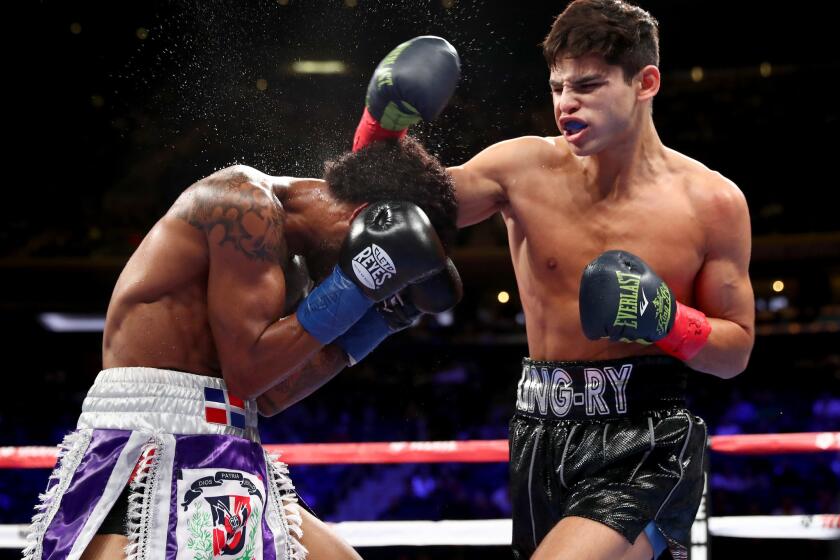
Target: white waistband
159,400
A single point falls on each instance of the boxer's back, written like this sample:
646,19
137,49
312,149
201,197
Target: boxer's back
158,315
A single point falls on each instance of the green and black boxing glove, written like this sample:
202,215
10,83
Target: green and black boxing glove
413,82
622,299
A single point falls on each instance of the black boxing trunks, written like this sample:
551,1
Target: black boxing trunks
610,441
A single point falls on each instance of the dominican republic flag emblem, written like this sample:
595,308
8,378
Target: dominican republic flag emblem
220,514
220,407
230,518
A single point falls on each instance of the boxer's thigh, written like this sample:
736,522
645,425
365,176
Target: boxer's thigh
321,541
105,547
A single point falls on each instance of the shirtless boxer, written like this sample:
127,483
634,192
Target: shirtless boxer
608,230
210,323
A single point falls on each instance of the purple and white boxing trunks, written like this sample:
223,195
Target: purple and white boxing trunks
201,484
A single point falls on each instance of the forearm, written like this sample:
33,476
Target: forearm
303,381
287,343
727,350
251,367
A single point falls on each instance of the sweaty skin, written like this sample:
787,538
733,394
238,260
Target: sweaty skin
206,290
211,290
609,183
618,188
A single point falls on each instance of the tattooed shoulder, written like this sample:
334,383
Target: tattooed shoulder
250,216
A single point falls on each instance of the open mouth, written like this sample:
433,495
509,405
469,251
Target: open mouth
571,128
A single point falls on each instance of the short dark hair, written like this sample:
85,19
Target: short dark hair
623,34
397,170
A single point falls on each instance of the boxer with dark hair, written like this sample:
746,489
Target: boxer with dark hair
214,320
632,264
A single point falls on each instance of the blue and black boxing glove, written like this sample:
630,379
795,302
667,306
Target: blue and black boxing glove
622,299
436,294
390,246
413,82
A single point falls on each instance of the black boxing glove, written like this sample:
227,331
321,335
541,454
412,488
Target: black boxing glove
389,245
621,298
439,292
298,283
436,294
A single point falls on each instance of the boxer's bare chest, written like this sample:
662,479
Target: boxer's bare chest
556,226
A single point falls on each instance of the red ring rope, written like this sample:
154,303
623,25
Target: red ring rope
475,451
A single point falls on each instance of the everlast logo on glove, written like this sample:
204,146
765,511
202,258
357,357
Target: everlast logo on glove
662,303
628,300
373,266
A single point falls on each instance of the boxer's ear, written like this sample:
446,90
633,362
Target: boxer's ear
649,81
358,210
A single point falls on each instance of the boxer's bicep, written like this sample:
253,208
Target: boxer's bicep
246,284
722,288
479,195
244,297
484,184
481,183
257,346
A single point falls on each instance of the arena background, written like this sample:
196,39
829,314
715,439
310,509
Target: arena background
113,108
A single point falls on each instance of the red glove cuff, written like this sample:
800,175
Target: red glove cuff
369,130
688,335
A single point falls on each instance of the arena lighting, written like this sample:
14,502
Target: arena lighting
503,297
777,303
319,67
445,319
778,286
67,322
765,69
696,74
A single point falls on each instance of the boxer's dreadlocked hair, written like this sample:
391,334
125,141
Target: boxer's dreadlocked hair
623,34
397,170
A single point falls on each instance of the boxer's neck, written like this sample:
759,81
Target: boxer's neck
312,215
636,157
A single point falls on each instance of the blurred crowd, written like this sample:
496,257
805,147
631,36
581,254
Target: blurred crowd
468,392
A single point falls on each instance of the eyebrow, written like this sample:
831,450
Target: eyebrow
577,81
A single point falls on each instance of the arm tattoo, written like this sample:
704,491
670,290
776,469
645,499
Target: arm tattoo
228,204
323,366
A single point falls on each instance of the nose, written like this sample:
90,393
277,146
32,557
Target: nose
567,103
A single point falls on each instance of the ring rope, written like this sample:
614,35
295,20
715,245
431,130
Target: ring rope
470,451
496,532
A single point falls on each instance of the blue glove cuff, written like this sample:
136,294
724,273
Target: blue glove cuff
364,336
332,307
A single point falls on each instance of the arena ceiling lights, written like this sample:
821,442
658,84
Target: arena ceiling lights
67,322
319,67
